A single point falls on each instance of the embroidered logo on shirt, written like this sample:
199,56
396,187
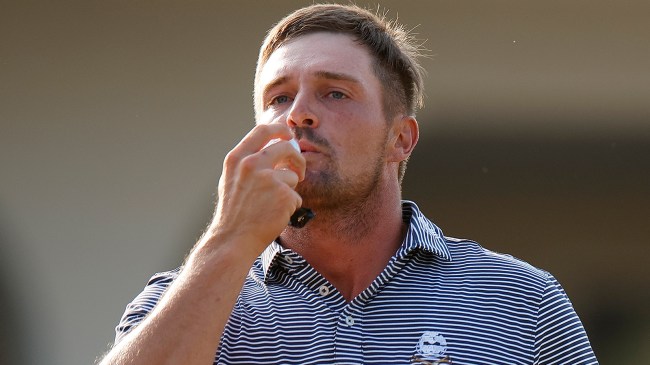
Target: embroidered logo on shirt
431,349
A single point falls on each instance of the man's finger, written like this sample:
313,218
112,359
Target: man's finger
282,155
287,176
260,136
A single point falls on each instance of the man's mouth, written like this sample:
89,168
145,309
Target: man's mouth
307,147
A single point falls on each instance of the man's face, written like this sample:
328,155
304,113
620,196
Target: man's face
323,86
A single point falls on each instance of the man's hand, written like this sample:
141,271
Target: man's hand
256,200
256,189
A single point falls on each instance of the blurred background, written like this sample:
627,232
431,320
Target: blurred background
115,117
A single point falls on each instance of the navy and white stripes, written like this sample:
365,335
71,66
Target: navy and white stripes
439,300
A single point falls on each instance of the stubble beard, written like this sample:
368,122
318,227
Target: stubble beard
327,190
345,204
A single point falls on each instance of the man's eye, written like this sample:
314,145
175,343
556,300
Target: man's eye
281,99
337,95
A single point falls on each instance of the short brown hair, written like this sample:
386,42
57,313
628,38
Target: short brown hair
393,49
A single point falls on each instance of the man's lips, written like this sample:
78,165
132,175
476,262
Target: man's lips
306,146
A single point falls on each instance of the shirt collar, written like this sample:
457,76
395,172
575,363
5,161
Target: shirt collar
422,234
268,257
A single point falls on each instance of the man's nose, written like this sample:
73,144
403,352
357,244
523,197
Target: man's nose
301,114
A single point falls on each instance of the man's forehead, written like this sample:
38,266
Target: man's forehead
322,54
319,40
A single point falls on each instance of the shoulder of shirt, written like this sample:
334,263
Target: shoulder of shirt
461,252
468,251
164,278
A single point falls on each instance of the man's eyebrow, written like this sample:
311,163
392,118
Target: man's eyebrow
337,76
276,82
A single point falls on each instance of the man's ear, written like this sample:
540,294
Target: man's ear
404,136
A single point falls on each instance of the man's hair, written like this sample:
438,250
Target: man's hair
392,48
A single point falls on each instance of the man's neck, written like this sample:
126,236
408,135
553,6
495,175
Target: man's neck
351,248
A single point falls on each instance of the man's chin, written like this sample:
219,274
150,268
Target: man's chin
312,185
311,195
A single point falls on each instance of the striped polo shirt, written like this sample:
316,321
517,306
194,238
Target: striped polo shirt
439,300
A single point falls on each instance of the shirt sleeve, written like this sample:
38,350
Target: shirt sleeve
560,337
144,303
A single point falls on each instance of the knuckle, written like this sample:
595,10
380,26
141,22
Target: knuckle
262,129
231,158
248,164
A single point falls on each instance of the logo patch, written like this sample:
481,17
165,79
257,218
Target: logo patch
431,349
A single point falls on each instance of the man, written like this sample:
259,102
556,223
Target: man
369,280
